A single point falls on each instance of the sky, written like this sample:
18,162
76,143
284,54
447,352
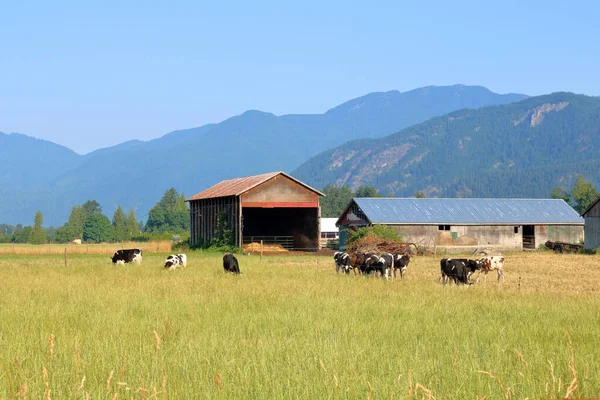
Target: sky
88,76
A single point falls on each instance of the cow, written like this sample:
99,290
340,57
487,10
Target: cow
230,264
491,263
127,256
375,264
356,261
176,260
459,269
400,263
342,261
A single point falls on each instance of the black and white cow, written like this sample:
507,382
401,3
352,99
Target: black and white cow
342,261
230,264
127,256
176,260
400,263
376,265
458,269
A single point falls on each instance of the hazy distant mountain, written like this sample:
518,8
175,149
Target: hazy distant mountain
135,173
522,149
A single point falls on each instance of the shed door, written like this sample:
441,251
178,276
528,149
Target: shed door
529,237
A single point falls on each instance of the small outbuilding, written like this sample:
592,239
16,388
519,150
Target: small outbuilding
329,231
273,207
465,224
592,225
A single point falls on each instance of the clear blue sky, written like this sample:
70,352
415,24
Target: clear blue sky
91,76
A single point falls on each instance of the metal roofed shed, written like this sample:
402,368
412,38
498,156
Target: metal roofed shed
509,224
273,207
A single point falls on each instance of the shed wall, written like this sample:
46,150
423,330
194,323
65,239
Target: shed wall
501,236
592,232
463,235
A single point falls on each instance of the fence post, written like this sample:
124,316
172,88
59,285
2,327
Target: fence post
261,250
65,257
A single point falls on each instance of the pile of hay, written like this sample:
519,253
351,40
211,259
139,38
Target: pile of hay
270,248
373,244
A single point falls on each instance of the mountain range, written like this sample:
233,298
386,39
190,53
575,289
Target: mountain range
40,175
523,149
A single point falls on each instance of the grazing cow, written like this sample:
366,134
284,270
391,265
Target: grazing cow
400,263
375,264
230,264
357,261
342,261
176,260
459,269
491,263
127,256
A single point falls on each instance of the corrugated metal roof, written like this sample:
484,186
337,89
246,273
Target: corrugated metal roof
468,211
237,186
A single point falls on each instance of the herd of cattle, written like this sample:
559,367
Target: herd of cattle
230,263
383,265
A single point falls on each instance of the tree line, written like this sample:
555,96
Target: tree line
168,218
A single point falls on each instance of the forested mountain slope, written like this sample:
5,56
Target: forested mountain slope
522,149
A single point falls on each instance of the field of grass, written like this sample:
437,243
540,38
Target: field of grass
289,327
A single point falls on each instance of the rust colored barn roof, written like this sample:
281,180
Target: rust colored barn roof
237,186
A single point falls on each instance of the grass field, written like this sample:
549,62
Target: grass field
289,327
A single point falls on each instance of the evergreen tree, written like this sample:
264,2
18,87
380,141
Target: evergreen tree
97,229
92,207
38,236
76,221
420,194
119,223
367,191
170,214
560,193
583,193
132,224
335,201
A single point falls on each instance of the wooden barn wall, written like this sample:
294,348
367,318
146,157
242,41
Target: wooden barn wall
279,191
592,232
204,215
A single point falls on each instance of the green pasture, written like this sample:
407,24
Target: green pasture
289,328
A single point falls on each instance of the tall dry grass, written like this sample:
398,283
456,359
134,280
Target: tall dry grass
289,327
102,248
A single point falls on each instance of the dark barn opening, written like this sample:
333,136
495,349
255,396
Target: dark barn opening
298,224
274,208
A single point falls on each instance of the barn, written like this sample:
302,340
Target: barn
273,207
466,224
592,225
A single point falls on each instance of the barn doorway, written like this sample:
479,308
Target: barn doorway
293,228
529,237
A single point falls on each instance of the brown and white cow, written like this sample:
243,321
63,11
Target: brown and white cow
491,263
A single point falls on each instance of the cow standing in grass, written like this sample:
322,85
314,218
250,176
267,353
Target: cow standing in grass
491,263
458,269
400,263
342,261
127,256
176,260
230,264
